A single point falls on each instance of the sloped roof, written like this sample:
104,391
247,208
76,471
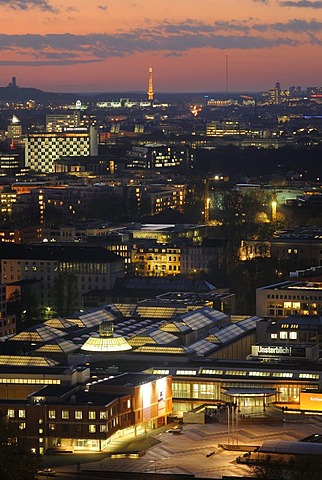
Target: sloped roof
38,334
64,346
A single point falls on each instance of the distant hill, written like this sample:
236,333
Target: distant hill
14,94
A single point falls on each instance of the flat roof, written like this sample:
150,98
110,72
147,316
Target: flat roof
294,285
66,253
250,392
132,379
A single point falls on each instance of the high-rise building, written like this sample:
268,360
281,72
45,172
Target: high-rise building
14,128
42,149
277,93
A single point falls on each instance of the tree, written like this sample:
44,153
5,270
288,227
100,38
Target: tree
269,469
16,461
65,294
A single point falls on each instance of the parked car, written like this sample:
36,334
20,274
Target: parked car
176,430
47,472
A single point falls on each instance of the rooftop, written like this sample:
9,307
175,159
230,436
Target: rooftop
66,253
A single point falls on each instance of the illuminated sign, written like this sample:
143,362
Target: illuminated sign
278,350
311,401
75,129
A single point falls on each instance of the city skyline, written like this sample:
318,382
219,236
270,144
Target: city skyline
109,47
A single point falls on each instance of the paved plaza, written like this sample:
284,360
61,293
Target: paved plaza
188,453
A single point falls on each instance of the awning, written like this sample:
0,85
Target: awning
250,392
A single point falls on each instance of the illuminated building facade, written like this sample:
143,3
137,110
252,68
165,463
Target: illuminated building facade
58,122
11,164
7,198
220,129
15,130
154,198
31,234
289,298
64,419
250,249
43,149
92,267
296,337
7,322
227,380
157,260
158,156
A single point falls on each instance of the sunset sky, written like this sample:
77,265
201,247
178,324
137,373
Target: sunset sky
99,45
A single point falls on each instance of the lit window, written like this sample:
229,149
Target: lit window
11,413
293,335
52,414
78,415
91,415
65,414
92,428
283,335
21,413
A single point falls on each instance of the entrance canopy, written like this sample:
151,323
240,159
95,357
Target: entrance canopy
250,392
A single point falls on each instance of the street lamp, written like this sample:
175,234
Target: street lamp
155,465
274,210
232,423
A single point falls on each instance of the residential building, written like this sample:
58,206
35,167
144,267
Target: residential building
208,256
7,322
32,234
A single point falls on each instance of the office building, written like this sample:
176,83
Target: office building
14,129
57,122
298,297
158,156
68,419
91,267
303,244
43,149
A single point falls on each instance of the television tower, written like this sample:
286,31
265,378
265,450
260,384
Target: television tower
150,89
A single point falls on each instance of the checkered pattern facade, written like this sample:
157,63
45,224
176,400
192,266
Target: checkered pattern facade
43,149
